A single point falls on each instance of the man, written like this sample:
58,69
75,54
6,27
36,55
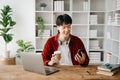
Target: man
65,42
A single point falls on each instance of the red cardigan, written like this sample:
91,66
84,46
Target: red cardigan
74,44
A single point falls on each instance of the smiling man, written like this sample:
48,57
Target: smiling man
67,44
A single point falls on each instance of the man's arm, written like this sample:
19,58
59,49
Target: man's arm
46,53
83,59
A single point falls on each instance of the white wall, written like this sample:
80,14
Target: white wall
24,15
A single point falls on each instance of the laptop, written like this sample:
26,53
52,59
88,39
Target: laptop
33,62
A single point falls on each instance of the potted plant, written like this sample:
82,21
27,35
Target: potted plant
41,26
42,6
7,24
23,47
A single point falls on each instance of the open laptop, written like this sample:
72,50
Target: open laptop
33,62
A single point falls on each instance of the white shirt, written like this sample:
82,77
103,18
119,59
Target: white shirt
65,55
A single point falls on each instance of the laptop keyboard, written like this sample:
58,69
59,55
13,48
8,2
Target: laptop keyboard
50,70
47,71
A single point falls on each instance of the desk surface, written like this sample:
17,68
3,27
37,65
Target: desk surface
16,72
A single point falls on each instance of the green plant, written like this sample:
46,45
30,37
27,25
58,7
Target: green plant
24,47
40,23
7,24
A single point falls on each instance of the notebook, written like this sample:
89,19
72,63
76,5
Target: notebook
109,67
33,62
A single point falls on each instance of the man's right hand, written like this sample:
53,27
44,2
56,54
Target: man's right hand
53,61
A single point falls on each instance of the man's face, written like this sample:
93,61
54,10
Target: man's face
64,29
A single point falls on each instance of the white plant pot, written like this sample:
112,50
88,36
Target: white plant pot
18,61
42,8
6,54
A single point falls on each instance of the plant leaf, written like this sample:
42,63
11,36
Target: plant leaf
24,46
12,23
5,30
7,37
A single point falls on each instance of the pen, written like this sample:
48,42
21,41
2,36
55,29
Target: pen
88,72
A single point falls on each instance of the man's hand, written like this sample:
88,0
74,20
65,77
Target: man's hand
80,59
53,60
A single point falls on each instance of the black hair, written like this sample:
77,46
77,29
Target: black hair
65,18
